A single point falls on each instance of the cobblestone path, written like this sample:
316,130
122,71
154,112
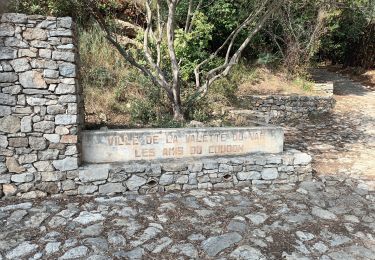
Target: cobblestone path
330,217
314,220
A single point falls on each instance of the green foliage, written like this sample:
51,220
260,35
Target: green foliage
192,47
303,83
345,29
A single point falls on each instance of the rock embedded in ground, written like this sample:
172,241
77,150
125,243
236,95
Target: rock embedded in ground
21,250
85,218
322,213
74,253
214,245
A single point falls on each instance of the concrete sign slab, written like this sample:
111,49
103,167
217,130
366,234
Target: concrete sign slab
157,144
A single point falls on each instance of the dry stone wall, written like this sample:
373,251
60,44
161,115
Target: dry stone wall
39,103
283,108
210,173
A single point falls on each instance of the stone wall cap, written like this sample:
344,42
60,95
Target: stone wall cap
194,129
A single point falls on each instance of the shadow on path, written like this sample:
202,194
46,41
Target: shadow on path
342,85
342,142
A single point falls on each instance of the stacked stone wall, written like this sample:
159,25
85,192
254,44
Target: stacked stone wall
215,173
39,103
279,109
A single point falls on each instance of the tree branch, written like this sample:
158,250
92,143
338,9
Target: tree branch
170,39
227,66
126,54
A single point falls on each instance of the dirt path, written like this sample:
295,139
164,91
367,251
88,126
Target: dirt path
342,143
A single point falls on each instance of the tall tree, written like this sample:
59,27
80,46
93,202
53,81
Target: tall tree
164,67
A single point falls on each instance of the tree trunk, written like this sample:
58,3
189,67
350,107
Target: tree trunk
177,110
177,113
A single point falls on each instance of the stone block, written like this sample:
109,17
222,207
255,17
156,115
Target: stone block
63,56
53,74
18,142
53,138
6,30
174,167
12,90
49,154
68,69
206,185
269,173
7,53
69,139
10,124
65,119
53,176
182,179
44,64
14,18
55,109
43,166
26,53
210,165
87,189
36,101
60,33
65,22
9,190
68,99
20,65
61,130
71,150
65,89
252,175
111,188
134,182
26,124
66,47
195,167
22,177
27,158
32,79
4,178
95,173
68,185
166,179
40,44
134,168
173,187
6,99
155,169
47,24
5,111
37,143
44,127
46,54
35,34
3,141
274,160
48,187
225,168
67,164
